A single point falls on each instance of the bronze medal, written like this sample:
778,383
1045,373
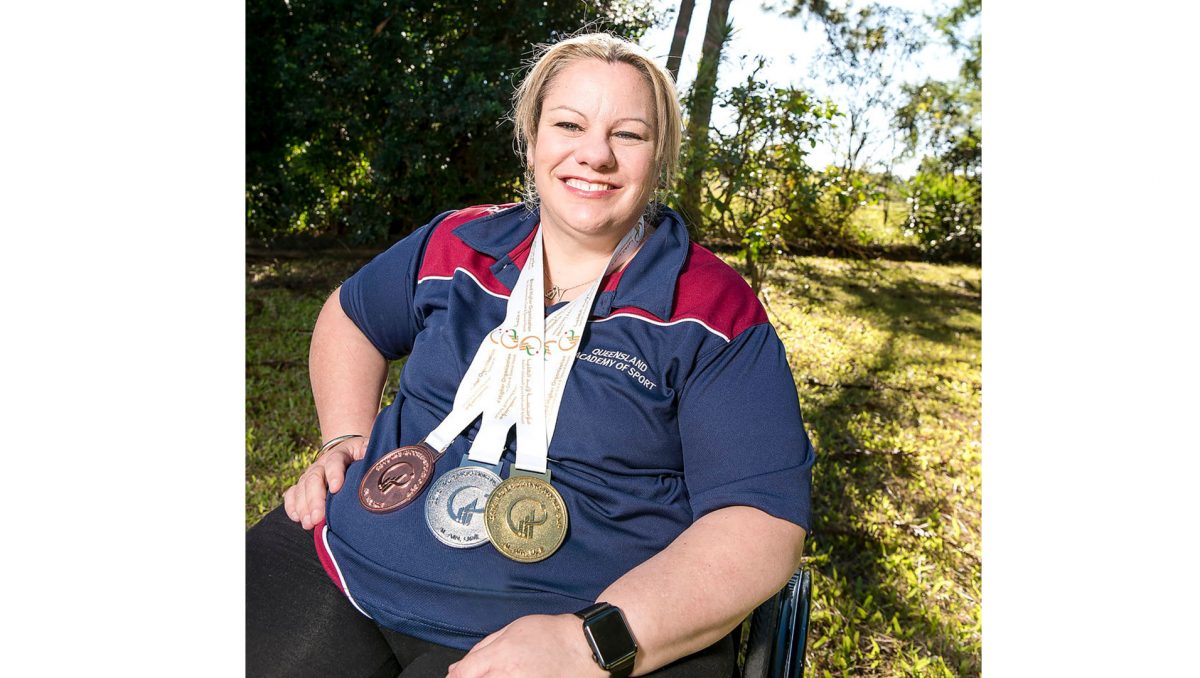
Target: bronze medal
526,519
397,478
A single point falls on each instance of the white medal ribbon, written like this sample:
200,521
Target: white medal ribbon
519,372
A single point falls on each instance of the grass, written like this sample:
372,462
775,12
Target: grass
283,297
886,357
868,222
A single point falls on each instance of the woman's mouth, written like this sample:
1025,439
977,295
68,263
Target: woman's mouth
590,188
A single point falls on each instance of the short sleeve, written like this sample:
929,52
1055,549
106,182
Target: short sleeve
379,297
744,443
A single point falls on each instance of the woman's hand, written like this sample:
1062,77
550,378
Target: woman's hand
304,502
537,645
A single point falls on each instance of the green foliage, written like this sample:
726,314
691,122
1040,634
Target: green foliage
955,28
757,177
880,224
947,115
861,61
840,195
366,119
945,197
886,359
945,215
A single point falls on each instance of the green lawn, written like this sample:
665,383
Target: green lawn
886,357
882,223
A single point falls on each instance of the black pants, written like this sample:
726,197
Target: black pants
299,624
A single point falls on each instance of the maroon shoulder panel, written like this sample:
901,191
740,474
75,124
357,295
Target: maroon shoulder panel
445,252
713,293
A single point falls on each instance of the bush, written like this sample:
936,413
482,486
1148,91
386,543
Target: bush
757,174
945,215
835,196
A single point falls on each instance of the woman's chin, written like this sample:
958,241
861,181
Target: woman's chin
596,223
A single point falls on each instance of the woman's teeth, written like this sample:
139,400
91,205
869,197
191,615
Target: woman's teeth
587,186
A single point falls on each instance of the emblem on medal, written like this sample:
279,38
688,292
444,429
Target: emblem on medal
397,478
455,505
526,519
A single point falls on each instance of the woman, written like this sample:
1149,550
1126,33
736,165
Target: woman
659,463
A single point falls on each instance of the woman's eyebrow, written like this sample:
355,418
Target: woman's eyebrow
633,119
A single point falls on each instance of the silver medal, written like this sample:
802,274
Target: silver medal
455,504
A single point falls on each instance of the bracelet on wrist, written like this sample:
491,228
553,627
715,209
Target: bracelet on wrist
334,442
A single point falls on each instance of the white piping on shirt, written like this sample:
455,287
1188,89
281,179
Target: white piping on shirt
614,315
345,589
469,274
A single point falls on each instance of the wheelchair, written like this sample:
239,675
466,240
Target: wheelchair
778,633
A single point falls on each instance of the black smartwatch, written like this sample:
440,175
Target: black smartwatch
613,646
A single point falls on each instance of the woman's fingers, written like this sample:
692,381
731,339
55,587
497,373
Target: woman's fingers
289,503
304,502
359,449
335,470
314,495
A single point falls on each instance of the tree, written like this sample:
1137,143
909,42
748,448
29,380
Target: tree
864,54
366,119
682,24
865,50
699,114
758,175
944,118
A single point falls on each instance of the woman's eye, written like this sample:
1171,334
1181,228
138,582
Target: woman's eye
569,126
630,135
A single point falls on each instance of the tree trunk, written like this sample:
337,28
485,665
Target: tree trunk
700,103
754,270
887,190
682,23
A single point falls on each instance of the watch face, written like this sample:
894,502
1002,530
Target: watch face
610,637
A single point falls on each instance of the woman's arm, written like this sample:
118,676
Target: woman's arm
678,602
705,583
347,374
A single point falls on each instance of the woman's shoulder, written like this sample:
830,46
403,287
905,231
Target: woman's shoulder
445,223
445,251
710,290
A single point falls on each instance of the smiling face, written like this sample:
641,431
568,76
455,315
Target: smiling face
593,157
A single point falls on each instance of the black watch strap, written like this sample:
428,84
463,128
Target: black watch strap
620,667
591,610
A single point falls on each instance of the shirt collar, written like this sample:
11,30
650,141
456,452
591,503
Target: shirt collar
648,282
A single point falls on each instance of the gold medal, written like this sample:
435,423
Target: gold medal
526,519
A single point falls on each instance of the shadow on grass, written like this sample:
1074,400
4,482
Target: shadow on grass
849,475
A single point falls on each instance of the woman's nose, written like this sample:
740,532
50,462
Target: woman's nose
595,150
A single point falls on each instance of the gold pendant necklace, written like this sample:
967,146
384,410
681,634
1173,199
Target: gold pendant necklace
557,292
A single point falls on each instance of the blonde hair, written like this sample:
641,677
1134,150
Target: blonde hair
550,59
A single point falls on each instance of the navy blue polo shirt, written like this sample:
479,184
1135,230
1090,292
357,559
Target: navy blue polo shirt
680,403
